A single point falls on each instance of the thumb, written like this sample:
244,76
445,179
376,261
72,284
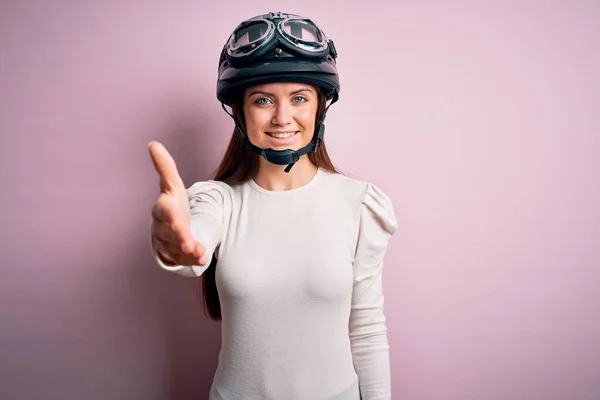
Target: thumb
165,166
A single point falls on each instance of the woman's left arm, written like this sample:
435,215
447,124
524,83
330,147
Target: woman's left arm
368,331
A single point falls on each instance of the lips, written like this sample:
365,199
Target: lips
282,135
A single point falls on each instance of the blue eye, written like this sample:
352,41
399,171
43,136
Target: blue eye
300,99
262,100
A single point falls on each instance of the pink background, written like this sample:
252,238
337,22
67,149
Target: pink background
480,119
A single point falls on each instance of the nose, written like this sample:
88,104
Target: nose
283,114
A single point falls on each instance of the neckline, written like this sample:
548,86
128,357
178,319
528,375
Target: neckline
308,184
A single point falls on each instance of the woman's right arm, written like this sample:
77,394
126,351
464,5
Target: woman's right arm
187,225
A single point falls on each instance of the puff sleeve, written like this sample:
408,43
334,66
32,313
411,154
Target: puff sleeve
368,331
210,203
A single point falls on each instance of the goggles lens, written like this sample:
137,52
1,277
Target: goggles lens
249,35
301,30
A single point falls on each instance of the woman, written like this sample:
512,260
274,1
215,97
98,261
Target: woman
289,251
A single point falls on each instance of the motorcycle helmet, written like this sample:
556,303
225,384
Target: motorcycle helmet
278,47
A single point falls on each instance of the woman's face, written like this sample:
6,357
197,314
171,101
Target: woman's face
280,115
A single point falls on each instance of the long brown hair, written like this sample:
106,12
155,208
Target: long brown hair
239,165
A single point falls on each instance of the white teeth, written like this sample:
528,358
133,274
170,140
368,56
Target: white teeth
281,135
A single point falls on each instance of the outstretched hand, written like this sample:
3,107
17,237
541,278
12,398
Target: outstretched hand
172,236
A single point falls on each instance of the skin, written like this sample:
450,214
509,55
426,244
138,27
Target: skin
268,109
281,107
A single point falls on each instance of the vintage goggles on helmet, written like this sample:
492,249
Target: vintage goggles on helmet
277,32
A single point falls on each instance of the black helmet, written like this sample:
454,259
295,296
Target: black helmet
278,47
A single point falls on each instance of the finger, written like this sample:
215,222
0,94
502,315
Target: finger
197,257
165,254
171,256
171,240
165,166
174,243
187,259
199,250
203,260
191,260
165,258
172,250
183,236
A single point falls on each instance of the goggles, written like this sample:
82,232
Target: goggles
278,31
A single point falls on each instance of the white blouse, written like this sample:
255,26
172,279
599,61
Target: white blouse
299,279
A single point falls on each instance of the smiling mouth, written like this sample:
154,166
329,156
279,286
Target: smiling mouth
282,135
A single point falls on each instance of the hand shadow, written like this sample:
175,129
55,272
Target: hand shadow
192,340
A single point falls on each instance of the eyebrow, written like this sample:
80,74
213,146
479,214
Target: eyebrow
271,94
